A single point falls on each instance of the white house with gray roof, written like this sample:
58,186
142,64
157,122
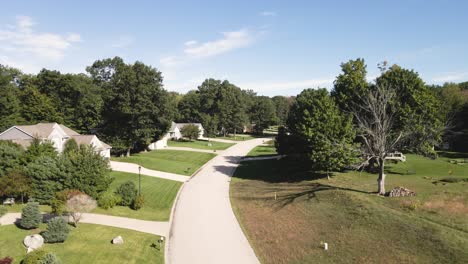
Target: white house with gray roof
174,133
55,133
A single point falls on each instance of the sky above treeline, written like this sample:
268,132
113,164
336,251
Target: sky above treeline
271,47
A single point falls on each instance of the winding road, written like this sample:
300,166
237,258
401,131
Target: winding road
204,227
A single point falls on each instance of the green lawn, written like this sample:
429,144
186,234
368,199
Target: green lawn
174,161
264,150
358,225
238,137
199,144
159,197
87,244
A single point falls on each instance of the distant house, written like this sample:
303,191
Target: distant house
55,133
174,133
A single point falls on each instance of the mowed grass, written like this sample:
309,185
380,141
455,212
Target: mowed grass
268,149
238,137
159,195
87,244
358,225
199,144
173,161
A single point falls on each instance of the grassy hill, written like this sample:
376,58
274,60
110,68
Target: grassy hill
358,225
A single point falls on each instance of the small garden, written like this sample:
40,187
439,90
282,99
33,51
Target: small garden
173,161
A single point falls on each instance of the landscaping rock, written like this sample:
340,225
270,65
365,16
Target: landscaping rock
33,242
117,240
401,192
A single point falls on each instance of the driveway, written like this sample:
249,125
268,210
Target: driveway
205,229
133,168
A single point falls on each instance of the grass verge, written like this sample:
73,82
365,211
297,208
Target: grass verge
173,161
159,196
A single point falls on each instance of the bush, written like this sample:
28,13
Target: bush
108,200
6,260
30,216
138,202
3,210
40,257
127,191
57,231
57,206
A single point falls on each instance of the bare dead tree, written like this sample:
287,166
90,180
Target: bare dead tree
375,121
79,204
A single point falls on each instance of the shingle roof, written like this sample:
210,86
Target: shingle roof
181,125
41,130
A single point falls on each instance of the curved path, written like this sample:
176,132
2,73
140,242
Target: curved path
133,168
204,228
151,227
194,149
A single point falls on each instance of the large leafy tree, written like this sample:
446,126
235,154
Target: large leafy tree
262,113
318,132
10,104
232,110
77,97
282,105
350,84
417,106
137,110
38,107
10,156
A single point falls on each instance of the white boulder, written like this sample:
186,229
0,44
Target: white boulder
33,242
117,240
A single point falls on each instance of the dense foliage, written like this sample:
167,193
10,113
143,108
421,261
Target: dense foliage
190,131
40,256
127,192
31,216
57,230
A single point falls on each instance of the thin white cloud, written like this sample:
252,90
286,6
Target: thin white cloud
190,43
21,46
123,41
230,41
287,85
451,77
267,13
195,50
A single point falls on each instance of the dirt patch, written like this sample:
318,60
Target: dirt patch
453,206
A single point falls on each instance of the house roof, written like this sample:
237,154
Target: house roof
25,143
41,130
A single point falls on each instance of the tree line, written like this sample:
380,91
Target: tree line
127,106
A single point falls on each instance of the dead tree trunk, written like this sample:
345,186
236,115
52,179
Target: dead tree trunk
381,179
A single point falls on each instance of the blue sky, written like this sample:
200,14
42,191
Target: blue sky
272,47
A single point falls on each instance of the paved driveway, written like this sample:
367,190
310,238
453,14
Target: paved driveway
205,229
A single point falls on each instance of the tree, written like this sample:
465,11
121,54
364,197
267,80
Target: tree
190,131
77,97
57,231
351,84
418,108
232,110
282,106
79,204
37,149
319,132
37,107
47,178
375,117
262,113
189,108
10,156
86,171
15,184
127,191
31,216
137,110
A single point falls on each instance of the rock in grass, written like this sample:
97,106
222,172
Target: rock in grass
33,242
117,240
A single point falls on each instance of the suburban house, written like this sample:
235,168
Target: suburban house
174,133
55,133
